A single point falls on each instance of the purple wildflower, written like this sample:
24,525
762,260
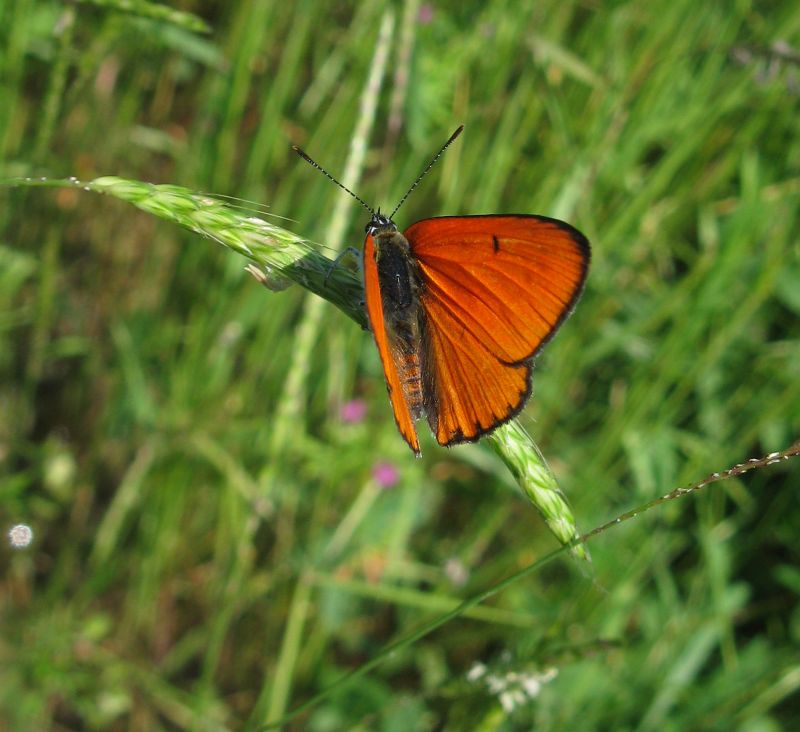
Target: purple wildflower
385,474
353,412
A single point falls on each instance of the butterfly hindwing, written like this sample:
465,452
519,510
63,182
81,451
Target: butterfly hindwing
468,390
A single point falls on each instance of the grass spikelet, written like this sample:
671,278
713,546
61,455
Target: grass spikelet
523,458
276,251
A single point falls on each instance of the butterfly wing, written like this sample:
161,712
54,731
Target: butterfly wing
494,291
386,349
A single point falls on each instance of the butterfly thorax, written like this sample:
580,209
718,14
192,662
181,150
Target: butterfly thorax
399,278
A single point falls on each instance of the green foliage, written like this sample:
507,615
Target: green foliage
218,539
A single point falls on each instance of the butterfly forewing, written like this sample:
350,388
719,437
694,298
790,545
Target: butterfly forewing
510,279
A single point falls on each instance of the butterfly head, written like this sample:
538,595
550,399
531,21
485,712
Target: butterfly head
380,224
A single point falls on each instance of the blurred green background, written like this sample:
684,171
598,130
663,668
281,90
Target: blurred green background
226,520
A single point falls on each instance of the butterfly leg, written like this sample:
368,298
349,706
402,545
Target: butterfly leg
339,257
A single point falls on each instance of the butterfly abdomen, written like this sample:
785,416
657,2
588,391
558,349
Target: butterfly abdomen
399,279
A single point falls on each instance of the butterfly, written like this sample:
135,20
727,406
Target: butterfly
459,306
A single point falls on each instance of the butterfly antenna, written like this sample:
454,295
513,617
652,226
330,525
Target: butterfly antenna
430,165
315,164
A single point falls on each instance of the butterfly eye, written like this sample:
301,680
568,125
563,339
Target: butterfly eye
379,222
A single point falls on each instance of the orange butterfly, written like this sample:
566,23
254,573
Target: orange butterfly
459,307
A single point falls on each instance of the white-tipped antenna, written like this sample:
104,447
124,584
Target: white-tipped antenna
430,165
313,162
